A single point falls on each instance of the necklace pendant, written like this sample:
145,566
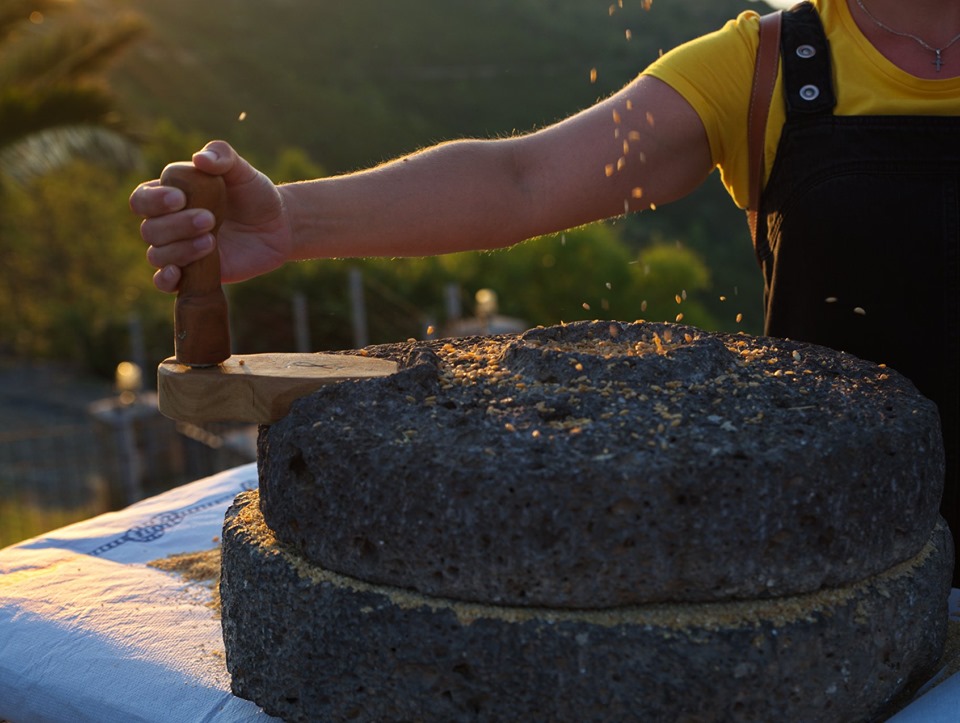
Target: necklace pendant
939,61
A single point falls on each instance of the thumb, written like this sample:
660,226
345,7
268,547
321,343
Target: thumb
219,158
215,158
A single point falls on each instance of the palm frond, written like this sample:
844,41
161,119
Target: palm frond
23,112
54,105
70,54
49,150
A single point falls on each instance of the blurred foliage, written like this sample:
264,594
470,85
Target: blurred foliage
304,89
708,224
68,276
355,83
54,103
73,272
585,273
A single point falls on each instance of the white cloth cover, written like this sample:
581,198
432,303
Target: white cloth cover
90,632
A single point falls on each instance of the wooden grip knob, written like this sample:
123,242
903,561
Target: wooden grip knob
201,325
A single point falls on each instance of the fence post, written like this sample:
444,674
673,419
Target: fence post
301,322
359,309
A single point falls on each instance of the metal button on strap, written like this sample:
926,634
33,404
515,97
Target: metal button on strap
809,92
806,51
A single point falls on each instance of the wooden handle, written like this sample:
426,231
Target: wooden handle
201,326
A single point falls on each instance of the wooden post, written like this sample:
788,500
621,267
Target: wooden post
361,338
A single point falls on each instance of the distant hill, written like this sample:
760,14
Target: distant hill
356,81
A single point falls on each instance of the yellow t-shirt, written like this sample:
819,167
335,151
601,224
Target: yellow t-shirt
714,74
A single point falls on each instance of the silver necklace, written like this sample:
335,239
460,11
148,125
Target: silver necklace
938,61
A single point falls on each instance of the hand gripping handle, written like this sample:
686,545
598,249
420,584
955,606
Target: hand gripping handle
201,326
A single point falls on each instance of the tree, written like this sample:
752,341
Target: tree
585,273
63,284
54,105
74,273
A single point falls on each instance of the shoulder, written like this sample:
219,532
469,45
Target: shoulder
733,43
714,74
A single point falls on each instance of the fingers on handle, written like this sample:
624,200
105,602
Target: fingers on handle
202,190
167,278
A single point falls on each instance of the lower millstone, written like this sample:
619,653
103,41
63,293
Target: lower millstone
308,644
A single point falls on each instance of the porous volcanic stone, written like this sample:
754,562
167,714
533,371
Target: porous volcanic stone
311,645
606,464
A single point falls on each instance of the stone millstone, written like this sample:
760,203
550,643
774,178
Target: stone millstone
606,464
307,644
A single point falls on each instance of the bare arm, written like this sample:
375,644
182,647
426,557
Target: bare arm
645,145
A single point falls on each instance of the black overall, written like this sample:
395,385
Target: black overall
859,232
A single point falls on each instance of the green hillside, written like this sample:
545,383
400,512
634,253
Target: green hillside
356,82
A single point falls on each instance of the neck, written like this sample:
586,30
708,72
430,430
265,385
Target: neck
937,22
920,37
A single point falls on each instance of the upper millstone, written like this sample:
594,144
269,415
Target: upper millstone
602,464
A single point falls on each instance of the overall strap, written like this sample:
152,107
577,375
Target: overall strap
807,72
764,79
796,34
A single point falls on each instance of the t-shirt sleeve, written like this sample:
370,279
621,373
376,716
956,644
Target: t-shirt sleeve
714,74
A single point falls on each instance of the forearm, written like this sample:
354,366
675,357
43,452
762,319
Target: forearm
644,146
459,196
